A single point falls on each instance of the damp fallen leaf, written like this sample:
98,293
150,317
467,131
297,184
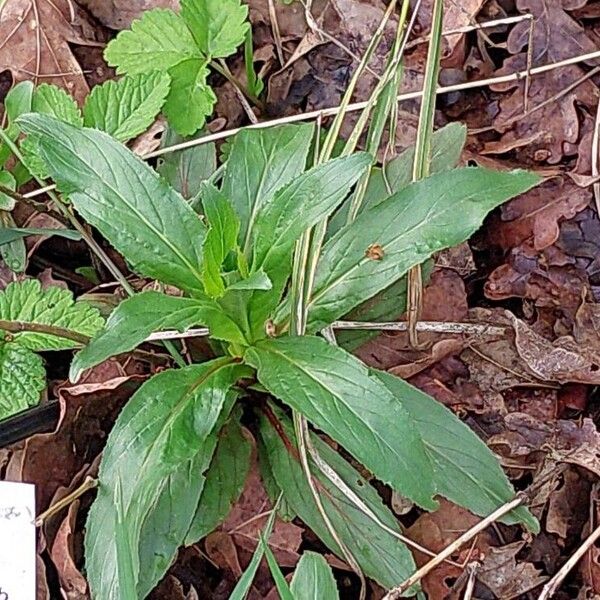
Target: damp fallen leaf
34,42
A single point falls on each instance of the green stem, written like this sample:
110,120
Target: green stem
222,68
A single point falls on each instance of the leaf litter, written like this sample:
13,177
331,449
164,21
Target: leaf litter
531,394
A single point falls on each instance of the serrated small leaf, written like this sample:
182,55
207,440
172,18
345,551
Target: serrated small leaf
169,425
185,170
220,240
465,470
127,107
131,205
26,302
225,479
157,41
51,100
190,99
17,102
218,26
22,378
335,392
381,556
313,578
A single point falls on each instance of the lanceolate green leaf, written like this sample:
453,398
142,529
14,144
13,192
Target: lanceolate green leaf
313,579
218,26
172,420
423,218
381,556
447,145
17,102
16,233
191,99
136,318
221,238
22,378
465,470
52,100
26,302
127,107
225,479
261,161
301,204
157,41
114,190
335,392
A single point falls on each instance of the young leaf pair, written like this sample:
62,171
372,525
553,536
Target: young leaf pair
234,275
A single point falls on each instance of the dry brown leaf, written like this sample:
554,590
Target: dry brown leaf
444,299
118,14
506,576
550,132
550,279
245,528
87,413
537,213
568,504
72,582
35,37
559,361
563,441
436,531
556,36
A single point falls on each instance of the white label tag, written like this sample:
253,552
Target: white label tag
17,541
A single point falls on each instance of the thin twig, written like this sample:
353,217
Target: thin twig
472,568
276,32
356,106
396,593
474,27
89,483
552,586
39,207
29,327
427,326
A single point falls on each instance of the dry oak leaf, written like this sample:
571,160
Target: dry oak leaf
547,133
34,42
537,214
556,35
118,14
559,361
506,576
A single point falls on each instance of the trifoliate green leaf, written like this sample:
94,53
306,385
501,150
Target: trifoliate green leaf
191,99
26,302
218,26
22,378
127,107
157,41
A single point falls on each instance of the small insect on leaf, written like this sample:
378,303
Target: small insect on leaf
375,252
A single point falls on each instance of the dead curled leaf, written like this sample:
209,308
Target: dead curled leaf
537,213
73,583
118,14
34,42
554,361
